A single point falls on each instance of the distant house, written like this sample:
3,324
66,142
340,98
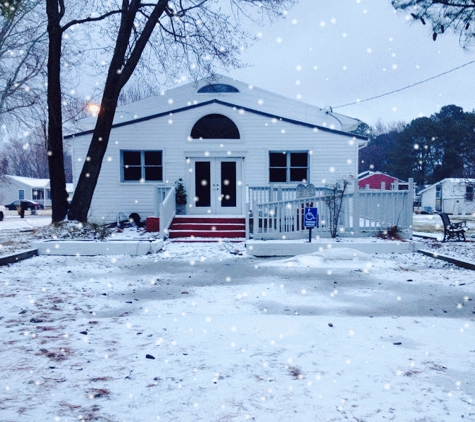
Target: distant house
452,196
378,180
18,187
222,137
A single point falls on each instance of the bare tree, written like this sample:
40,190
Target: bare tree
334,201
25,157
457,16
22,56
192,35
136,92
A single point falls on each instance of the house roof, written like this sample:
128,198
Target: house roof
366,174
37,183
30,181
255,100
449,180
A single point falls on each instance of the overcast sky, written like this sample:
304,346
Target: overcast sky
330,53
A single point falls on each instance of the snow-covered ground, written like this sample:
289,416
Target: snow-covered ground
202,332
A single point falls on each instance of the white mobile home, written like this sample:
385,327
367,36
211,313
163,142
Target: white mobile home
452,196
220,136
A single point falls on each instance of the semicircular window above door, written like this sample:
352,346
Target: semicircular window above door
215,126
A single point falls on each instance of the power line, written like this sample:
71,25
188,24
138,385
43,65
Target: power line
407,87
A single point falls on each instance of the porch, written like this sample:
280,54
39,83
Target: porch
277,213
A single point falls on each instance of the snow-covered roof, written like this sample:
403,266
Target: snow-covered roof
37,183
255,99
368,173
452,180
30,181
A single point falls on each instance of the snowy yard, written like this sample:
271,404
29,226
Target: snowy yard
203,333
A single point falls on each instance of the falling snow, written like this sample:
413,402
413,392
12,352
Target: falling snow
200,332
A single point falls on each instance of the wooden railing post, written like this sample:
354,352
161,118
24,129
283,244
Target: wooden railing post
356,207
410,206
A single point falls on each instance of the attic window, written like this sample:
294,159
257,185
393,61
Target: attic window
217,88
215,126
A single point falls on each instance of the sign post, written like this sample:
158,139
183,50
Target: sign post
310,220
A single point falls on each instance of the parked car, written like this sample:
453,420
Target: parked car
32,205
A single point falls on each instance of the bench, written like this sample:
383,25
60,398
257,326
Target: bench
452,230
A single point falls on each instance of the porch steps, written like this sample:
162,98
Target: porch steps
190,228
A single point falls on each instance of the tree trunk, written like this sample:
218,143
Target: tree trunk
120,70
92,165
59,196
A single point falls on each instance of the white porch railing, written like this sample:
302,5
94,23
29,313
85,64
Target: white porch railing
262,194
382,209
363,212
285,219
162,192
167,209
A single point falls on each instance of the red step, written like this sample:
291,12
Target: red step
205,227
208,220
189,227
218,234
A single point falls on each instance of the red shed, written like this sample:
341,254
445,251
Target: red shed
374,180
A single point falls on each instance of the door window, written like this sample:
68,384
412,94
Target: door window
228,183
202,184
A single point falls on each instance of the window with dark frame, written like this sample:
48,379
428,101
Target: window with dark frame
144,166
288,166
37,194
469,193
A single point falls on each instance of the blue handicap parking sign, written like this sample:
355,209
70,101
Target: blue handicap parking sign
311,217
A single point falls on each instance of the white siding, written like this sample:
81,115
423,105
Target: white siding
428,198
9,190
333,155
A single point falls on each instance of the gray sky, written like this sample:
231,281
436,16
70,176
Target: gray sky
330,53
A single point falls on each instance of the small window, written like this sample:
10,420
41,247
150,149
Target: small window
140,166
288,167
37,194
217,88
469,193
21,194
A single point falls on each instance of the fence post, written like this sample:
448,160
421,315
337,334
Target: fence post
156,201
356,208
247,211
410,206
161,221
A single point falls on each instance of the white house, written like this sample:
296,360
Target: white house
13,188
220,136
452,196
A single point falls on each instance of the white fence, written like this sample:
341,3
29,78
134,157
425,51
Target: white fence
363,213
167,212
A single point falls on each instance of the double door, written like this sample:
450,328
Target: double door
216,186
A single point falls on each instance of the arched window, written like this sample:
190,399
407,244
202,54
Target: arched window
215,126
217,88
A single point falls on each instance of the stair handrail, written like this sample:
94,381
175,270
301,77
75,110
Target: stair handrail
167,212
